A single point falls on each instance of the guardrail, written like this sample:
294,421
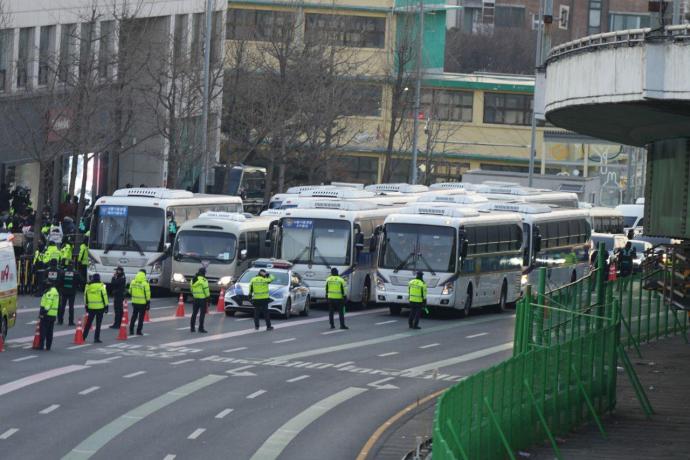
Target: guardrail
569,343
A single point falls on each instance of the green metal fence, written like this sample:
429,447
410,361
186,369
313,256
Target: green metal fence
569,343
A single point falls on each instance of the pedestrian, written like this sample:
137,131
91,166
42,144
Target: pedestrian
259,294
83,258
140,292
625,259
416,290
96,300
118,286
49,310
202,297
70,281
335,293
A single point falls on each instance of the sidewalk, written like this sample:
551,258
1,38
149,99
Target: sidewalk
664,371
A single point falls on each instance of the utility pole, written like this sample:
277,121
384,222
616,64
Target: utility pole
205,107
417,92
538,63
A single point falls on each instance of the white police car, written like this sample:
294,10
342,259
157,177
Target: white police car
287,292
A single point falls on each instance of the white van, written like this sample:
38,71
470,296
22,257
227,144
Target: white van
8,284
633,215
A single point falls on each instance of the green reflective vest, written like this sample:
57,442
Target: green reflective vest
51,253
95,296
140,290
258,287
83,257
335,287
417,291
66,252
200,288
50,301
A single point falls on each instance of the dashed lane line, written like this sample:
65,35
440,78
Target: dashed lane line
431,345
25,358
474,336
386,322
278,441
285,340
89,390
196,433
297,379
39,377
390,353
49,409
334,331
169,457
76,347
256,394
91,445
8,433
182,361
223,413
234,349
134,374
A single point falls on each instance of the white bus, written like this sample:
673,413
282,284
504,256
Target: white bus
223,243
507,191
469,258
320,235
132,229
607,220
558,239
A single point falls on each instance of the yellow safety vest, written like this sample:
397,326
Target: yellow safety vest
51,253
95,296
83,257
66,252
200,288
51,301
258,287
335,287
417,291
140,290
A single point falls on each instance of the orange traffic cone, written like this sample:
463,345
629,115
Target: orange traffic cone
125,312
79,334
37,336
147,318
220,305
123,331
612,272
180,307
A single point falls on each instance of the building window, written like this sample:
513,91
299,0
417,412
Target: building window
445,105
197,51
86,40
66,58
594,16
401,170
366,101
508,109
45,53
446,171
5,56
259,25
509,16
180,40
345,30
622,21
471,19
105,48
26,40
359,169
564,17
216,41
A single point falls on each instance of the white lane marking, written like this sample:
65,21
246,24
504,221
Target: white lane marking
346,363
279,440
285,340
390,353
243,319
476,335
169,457
334,331
223,413
198,432
241,371
459,359
256,394
76,347
49,409
39,377
388,338
182,328
297,379
134,374
234,349
431,345
25,358
183,361
382,385
386,322
8,433
227,335
32,322
91,445
89,390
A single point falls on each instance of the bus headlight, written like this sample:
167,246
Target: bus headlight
156,268
447,288
178,278
524,279
380,284
225,281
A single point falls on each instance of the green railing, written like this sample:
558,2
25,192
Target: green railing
569,343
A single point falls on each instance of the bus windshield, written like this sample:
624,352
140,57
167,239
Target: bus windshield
418,247
127,228
197,245
316,241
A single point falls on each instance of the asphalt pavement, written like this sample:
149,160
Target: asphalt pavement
301,391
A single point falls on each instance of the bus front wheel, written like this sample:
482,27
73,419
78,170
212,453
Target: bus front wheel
502,304
468,302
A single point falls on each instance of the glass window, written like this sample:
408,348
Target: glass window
86,41
418,247
259,25
471,19
509,16
444,105
594,16
281,278
480,240
253,245
623,21
24,55
66,59
317,241
45,53
198,245
492,239
508,109
6,37
105,48
366,101
345,30
127,228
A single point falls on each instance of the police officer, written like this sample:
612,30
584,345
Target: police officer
96,300
70,281
50,302
259,293
625,259
118,286
335,293
51,253
140,292
38,269
83,258
202,296
416,290
66,252
53,273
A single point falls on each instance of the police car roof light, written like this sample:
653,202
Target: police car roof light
272,263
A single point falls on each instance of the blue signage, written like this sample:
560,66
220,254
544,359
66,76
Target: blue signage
112,211
303,224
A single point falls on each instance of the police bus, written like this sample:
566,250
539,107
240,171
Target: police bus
469,258
607,220
507,191
322,234
224,243
135,228
558,239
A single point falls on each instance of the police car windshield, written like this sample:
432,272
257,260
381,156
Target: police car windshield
281,277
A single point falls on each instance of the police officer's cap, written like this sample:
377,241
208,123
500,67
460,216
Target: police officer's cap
140,270
420,275
334,271
263,272
202,271
119,269
95,277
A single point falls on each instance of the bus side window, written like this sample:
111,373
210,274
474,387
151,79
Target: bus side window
264,251
253,245
242,243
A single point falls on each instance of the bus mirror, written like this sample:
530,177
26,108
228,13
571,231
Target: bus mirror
168,248
463,249
243,254
269,233
359,241
537,243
